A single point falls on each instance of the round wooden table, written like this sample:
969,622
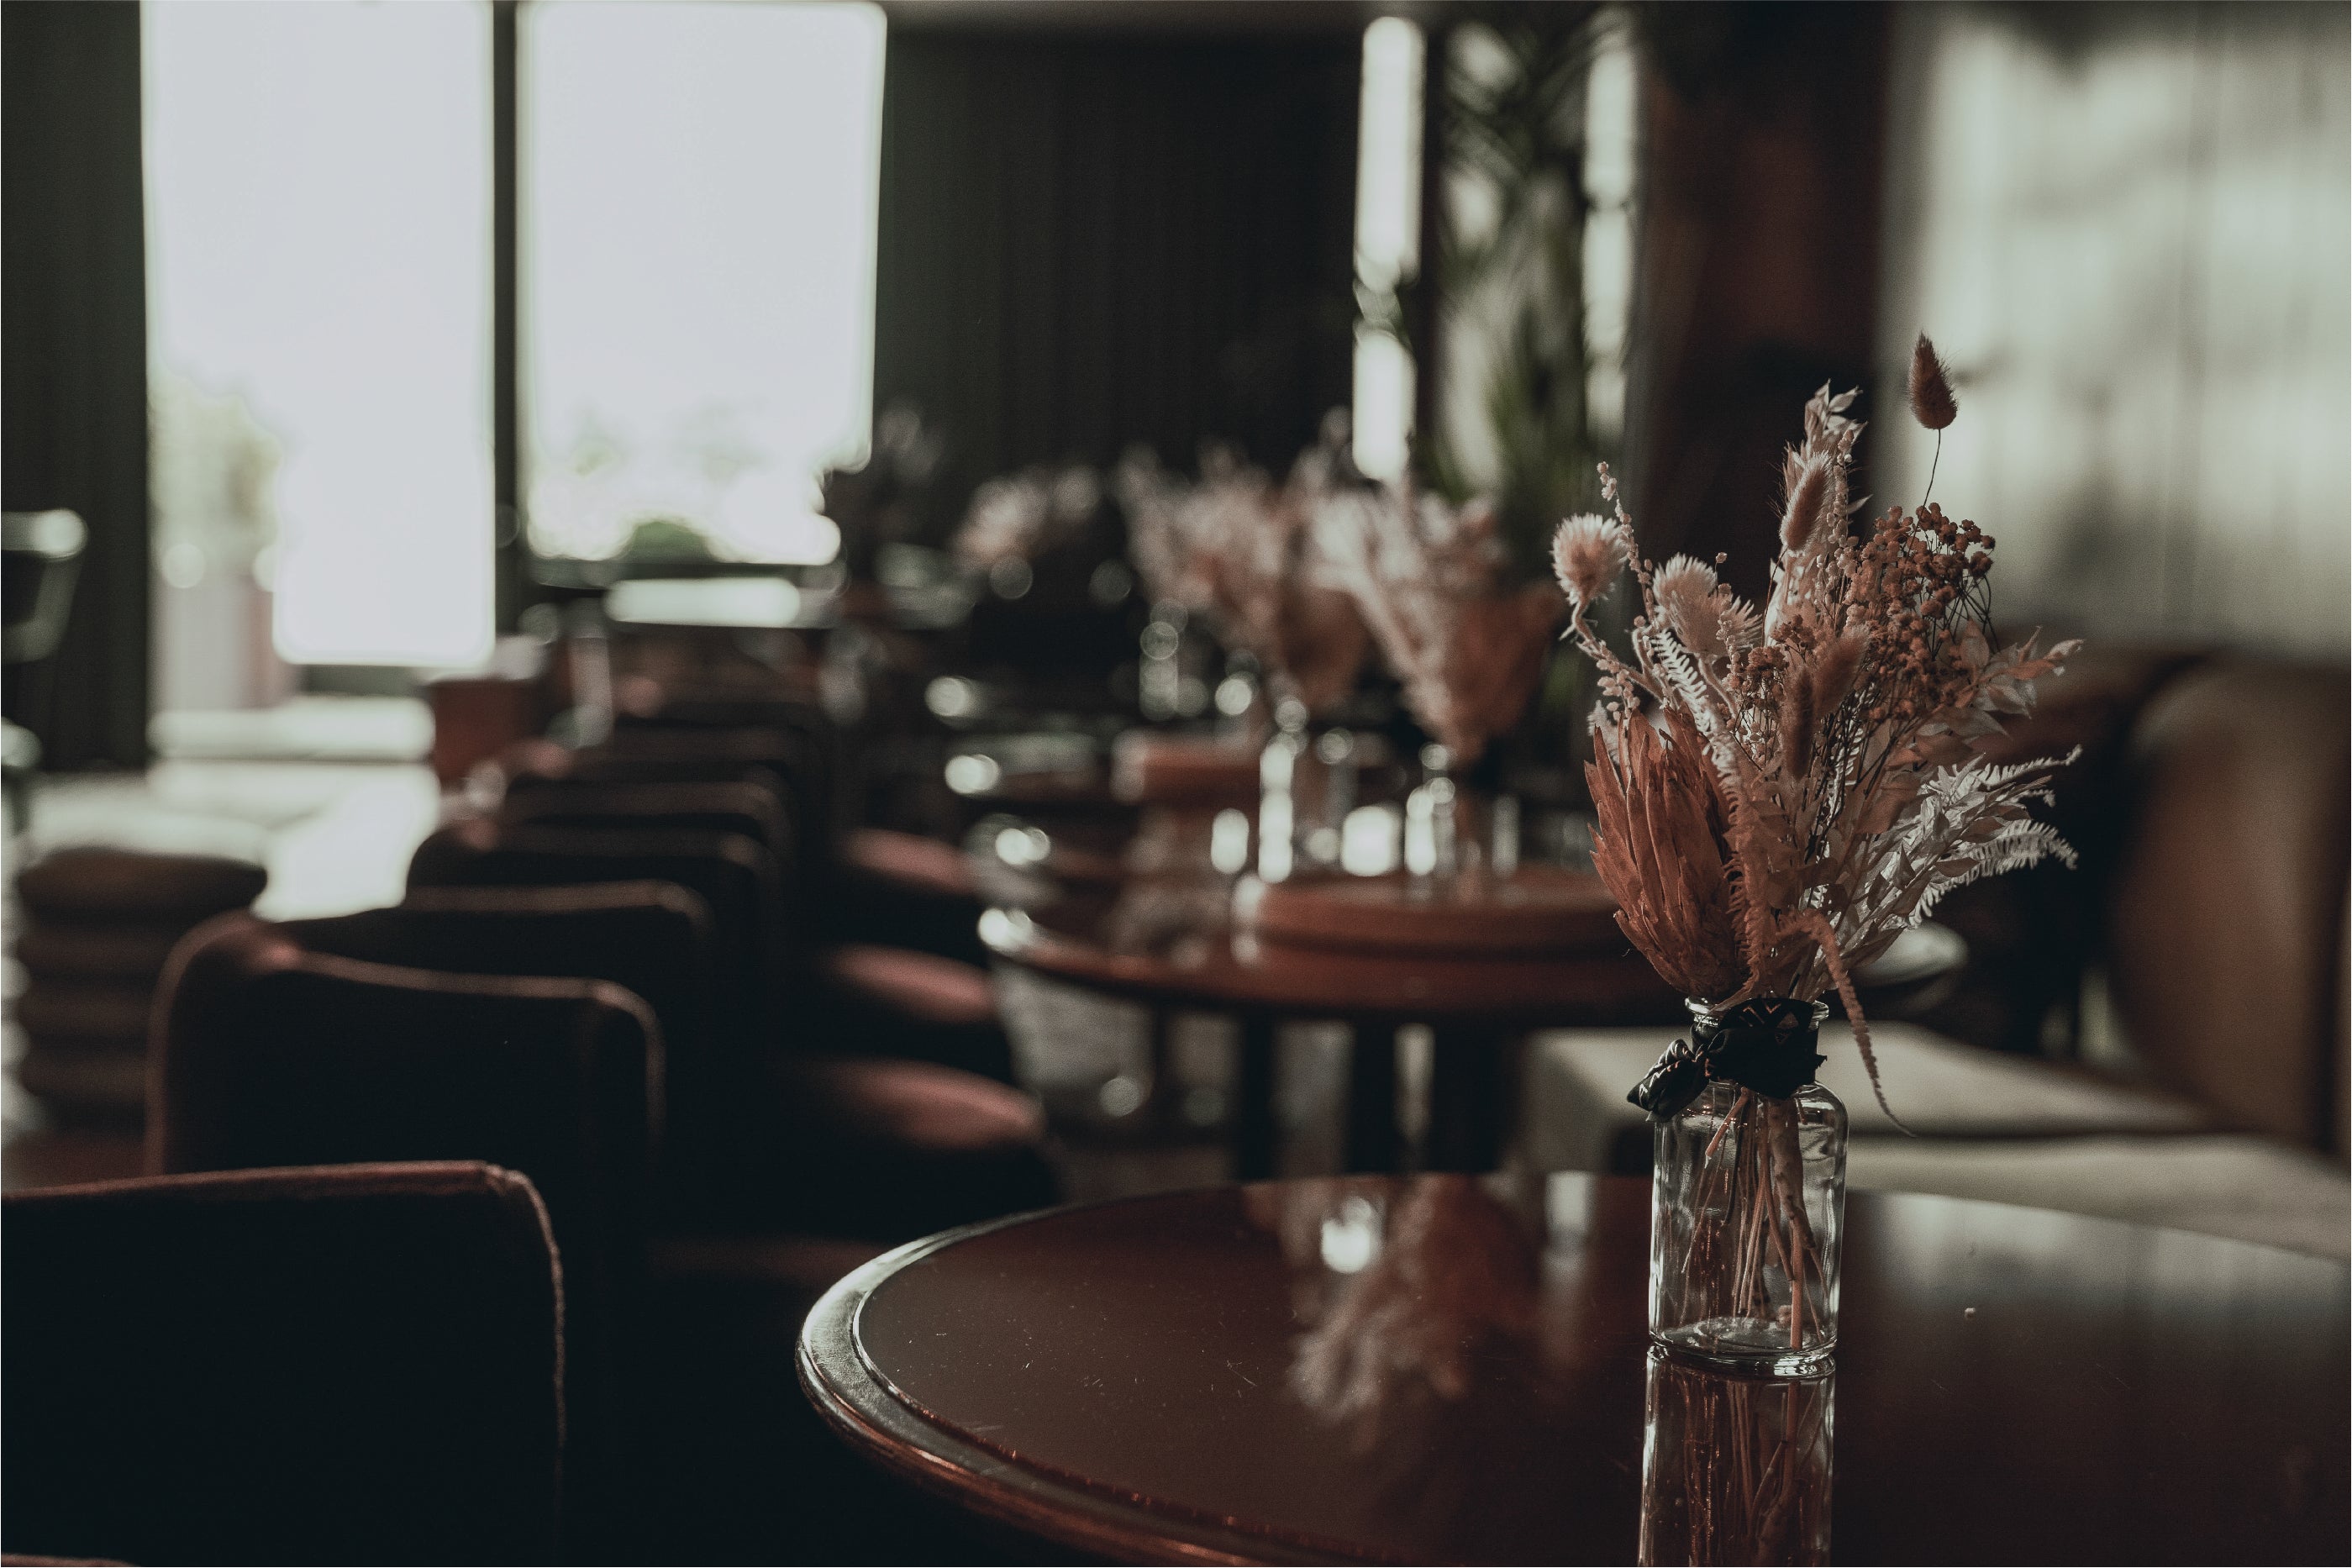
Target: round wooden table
1447,1368
1170,943
1172,940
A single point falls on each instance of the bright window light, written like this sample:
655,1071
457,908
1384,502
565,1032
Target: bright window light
2131,244
700,190
1383,399
1388,236
319,200
1612,97
1388,154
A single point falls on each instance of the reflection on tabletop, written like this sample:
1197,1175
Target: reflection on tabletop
1401,1290
1441,1338
1735,1468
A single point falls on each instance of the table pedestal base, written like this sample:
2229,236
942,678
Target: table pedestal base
1255,1133
1471,1100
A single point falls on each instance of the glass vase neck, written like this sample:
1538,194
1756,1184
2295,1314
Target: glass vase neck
1769,1043
1719,1014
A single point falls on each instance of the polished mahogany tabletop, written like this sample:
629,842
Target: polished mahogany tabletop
1445,1368
1141,913
1172,942
1077,907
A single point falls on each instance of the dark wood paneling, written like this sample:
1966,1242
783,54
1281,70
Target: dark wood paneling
73,357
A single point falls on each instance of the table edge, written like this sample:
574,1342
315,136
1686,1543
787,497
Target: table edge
1143,979
891,1432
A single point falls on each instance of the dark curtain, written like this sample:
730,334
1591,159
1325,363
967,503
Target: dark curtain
1089,242
73,357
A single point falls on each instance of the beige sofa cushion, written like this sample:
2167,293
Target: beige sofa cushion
2240,1186
1576,1111
1996,1128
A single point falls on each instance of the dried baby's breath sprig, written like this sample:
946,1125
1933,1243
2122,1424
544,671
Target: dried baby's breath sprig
1776,804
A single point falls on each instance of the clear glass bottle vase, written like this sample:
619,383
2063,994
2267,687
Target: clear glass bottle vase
1747,1208
1278,769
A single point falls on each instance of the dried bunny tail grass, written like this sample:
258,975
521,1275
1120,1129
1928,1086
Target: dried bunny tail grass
1833,676
1932,403
1800,723
1809,485
1587,551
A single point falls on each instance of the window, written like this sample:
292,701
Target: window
1388,236
2127,233
318,204
699,187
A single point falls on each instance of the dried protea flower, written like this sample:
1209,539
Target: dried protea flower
1932,403
1587,553
1807,489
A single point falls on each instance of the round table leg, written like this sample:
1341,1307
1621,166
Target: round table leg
1253,1118
1373,1144
1165,1103
1473,1096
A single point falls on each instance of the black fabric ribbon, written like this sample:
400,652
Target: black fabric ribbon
1766,1045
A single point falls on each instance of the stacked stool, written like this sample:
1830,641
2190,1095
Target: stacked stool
99,924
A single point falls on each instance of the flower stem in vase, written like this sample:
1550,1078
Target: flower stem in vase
1336,750
1748,1194
1504,830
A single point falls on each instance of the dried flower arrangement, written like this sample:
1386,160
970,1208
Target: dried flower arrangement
1019,516
1235,549
1780,796
1429,579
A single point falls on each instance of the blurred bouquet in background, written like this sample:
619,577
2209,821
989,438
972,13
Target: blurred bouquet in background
1238,549
1430,581
1014,519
